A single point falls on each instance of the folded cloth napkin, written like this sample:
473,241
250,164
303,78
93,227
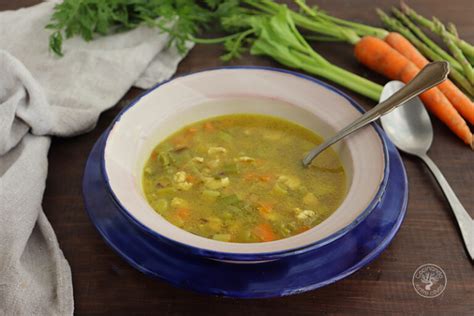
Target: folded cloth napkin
41,95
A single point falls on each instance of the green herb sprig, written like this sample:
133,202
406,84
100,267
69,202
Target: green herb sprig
261,27
90,18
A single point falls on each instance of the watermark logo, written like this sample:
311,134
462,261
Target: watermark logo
429,280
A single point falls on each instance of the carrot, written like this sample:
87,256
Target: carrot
265,232
180,142
184,140
209,127
251,176
458,99
259,162
183,213
153,156
404,47
382,58
190,178
265,208
302,229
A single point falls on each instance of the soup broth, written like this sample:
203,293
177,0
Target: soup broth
239,178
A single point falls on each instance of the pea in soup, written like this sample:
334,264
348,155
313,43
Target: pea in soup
239,178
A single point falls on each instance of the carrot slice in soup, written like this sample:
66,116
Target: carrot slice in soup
183,213
265,232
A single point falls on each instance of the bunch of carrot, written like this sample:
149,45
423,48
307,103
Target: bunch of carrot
394,56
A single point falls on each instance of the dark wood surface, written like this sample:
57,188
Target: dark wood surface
105,284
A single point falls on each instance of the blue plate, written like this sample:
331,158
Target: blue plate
287,276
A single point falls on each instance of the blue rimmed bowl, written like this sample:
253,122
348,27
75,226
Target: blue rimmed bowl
295,97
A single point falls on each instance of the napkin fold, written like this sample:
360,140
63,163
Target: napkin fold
43,95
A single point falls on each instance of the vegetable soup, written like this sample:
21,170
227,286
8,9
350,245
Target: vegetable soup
239,178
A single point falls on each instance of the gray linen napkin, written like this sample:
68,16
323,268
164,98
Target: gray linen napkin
41,95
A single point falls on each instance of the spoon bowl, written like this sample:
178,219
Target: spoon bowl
409,127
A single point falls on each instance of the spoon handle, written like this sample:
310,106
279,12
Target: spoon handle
431,75
465,222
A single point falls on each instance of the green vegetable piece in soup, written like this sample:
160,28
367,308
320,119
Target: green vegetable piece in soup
239,178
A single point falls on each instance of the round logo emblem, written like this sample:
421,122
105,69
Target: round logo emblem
429,280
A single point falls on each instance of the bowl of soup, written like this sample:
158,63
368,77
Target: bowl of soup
211,163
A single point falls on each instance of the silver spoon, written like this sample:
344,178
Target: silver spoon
409,128
431,75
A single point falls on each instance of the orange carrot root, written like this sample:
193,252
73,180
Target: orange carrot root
458,99
382,58
183,213
265,232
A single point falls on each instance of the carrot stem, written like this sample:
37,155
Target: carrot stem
278,38
216,40
343,78
322,38
319,26
360,29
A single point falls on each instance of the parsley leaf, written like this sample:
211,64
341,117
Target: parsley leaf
88,18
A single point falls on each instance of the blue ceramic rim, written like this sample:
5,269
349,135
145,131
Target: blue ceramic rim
283,292
260,256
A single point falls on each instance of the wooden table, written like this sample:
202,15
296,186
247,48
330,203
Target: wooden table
104,283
